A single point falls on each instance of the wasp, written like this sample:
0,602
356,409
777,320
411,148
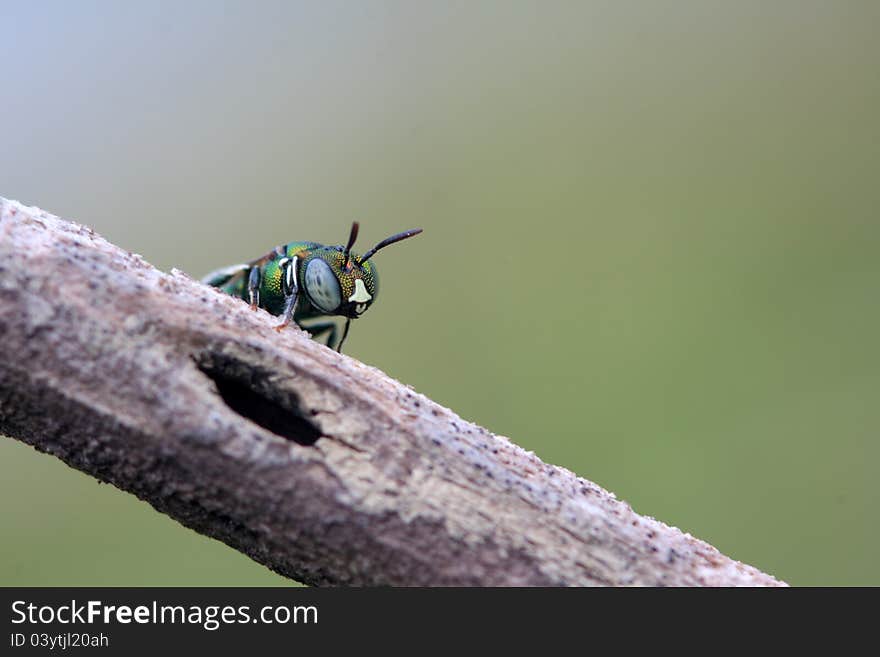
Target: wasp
307,280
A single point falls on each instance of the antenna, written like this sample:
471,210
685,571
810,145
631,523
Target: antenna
387,242
351,238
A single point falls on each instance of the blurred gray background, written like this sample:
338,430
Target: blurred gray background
650,250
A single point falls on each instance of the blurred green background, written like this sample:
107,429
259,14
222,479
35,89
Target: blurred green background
650,250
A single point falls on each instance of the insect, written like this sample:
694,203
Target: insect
305,280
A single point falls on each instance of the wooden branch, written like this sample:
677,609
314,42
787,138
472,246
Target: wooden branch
320,467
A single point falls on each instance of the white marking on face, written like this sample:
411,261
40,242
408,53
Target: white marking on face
359,308
360,293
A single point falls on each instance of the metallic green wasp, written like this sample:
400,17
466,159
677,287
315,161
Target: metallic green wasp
305,280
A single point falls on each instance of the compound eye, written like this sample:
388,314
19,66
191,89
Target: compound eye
322,286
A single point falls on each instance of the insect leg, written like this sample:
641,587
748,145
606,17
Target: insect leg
321,327
290,289
253,287
344,335
289,310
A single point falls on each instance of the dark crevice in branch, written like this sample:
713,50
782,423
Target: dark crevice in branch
235,382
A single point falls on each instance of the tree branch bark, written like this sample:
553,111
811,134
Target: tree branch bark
320,467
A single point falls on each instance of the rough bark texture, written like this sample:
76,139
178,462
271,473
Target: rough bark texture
160,385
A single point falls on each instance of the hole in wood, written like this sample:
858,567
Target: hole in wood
240,388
